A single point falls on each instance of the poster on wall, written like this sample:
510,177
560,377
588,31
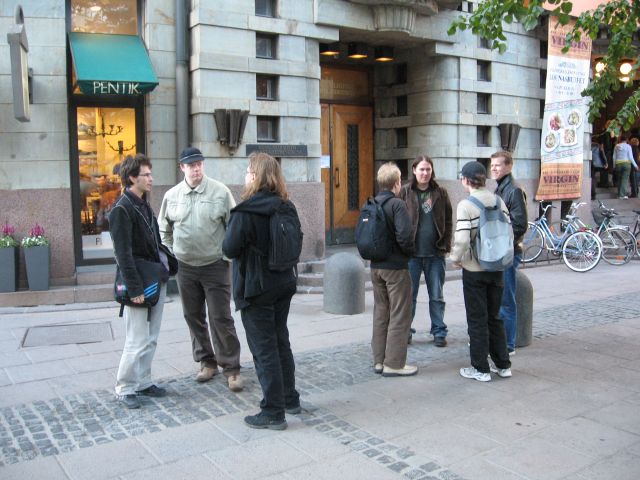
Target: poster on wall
561,149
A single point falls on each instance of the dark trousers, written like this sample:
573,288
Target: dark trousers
482,297
209,287
268,339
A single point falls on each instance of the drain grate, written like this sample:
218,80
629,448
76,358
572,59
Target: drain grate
65,334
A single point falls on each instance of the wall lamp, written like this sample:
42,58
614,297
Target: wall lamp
384,54
624,69
330,49
357,51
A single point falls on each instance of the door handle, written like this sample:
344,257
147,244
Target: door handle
336,177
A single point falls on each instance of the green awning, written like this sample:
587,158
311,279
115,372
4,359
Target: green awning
111,64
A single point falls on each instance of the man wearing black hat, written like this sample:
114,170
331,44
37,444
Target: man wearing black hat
193,219
482,290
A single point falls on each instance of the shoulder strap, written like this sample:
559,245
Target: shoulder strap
478,203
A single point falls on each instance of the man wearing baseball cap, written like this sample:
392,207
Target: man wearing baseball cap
193,219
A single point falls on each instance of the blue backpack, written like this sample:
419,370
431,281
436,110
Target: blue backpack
493,245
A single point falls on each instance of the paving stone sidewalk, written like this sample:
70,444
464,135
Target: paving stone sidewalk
78,421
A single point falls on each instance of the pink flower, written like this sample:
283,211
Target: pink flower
7,230
37,231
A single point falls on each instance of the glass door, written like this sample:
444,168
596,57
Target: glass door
105,137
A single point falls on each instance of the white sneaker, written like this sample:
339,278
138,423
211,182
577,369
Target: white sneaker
471,372
377,368
405,371
502,372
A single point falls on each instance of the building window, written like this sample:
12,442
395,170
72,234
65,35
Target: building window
484,103
543,79
401,106
266,45
484,71
484,43
266,87
401,138
119,17
266,8
544,49
267,129
541,108
401,73
486,162
483,135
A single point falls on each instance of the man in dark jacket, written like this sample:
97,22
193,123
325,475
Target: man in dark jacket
134,230
516,201
392,283
431,217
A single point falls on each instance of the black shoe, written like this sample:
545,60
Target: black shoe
412,330
130,401
440,341
153,391
263,421
293,410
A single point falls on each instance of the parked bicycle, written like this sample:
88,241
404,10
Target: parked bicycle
619,245
580,248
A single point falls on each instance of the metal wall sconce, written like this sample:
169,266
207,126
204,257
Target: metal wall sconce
383,54
330,49
509,136
357,51
230,125
624,70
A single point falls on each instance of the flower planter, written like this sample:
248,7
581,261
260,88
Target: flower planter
8,269
37,262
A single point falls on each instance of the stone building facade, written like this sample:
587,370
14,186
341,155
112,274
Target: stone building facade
330,119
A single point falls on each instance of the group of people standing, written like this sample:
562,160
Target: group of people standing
620,156
420,216
203,227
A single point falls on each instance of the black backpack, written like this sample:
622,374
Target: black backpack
373,236
285,238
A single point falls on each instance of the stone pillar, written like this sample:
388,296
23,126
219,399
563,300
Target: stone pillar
524,301
343,283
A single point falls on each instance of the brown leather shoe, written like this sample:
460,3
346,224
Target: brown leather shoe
235,383
205,374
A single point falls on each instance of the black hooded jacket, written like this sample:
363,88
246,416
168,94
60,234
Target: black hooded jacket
247,243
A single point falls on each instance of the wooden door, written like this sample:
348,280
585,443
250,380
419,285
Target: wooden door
350,174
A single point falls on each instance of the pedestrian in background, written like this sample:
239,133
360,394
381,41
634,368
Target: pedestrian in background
134,231
262,295
431,215
635,153
391,282
516,201
625,164
482,290
193,218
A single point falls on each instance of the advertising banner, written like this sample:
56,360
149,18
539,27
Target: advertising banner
561,149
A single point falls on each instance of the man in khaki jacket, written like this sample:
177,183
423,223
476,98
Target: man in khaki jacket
193,219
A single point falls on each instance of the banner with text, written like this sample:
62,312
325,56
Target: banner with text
561,149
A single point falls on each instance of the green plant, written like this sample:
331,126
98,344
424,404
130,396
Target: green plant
6,239
36,238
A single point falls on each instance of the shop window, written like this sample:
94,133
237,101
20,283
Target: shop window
267,129
483,136
266,87
266,8
105,137
484,71
402,137
266,45
402,108
114,16
484,103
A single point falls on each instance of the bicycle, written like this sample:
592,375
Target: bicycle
581,249
619,245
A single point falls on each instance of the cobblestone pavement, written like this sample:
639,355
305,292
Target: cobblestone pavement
51,427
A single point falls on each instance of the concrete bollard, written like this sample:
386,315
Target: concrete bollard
524,301
343,284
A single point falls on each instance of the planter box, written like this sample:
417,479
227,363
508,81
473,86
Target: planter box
8,269
37,262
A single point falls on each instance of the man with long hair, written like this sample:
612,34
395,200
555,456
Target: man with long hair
431,215
263,295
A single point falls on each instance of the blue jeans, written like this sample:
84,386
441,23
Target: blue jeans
433,269
508,308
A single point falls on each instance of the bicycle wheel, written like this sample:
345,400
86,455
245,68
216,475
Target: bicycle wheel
618,246
582,251
532,243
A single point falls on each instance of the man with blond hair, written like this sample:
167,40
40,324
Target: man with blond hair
391,282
